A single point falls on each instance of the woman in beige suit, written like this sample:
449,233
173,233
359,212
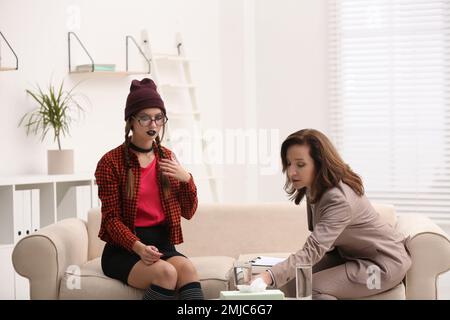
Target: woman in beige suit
349,244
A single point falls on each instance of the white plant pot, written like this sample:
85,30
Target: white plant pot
60,161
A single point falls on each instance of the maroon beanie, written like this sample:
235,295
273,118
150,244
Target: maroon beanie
143,95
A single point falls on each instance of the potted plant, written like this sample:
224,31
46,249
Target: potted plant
57,110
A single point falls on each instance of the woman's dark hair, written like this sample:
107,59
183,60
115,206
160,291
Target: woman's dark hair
330,169
130,175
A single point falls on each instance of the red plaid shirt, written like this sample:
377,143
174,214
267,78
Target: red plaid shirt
119,212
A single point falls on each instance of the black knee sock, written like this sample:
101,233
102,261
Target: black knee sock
155,292
191,291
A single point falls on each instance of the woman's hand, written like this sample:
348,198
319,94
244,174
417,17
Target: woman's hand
172,168
265,276
148,254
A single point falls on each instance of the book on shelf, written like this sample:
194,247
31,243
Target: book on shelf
97,67
27,212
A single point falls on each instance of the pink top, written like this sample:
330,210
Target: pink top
149,208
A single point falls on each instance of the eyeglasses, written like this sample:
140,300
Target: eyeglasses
146,121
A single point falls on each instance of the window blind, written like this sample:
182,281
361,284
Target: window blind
389,72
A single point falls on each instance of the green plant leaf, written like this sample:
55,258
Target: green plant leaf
54,112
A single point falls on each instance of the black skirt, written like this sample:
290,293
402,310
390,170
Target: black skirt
117,262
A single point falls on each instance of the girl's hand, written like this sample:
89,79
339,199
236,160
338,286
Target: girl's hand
172,168
150,254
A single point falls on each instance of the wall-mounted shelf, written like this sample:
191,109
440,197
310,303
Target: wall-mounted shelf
12,50
101,69
107,73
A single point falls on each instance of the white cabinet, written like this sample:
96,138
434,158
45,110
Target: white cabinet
7,277
13,286
28,203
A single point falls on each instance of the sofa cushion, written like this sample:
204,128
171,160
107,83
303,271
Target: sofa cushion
284,222
95,245
213,272
89,282
231,229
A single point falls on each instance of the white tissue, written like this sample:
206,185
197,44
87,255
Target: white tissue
258,285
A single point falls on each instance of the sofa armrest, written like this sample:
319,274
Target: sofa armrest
430,252
44,256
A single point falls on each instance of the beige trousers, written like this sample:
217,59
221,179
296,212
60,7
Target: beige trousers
330,280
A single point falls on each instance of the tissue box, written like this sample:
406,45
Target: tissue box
274,294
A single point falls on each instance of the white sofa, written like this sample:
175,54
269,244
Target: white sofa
62,261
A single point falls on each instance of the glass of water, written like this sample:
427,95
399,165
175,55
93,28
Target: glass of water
242,272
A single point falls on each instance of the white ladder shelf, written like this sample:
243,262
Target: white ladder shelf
190,111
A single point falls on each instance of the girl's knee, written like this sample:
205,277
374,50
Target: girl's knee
168,271
187,272
189,268
167,275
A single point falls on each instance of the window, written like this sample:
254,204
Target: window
389,99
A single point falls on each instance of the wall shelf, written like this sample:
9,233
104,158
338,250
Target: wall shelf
107,73
13,52
92,68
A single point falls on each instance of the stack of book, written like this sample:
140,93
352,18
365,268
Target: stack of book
95,67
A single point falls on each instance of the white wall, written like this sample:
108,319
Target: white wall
287,64
291,74
232,42
38,32
259,65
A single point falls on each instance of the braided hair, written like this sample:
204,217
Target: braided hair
130,175
164,179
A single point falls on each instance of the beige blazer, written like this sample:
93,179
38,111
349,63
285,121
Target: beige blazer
343,220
